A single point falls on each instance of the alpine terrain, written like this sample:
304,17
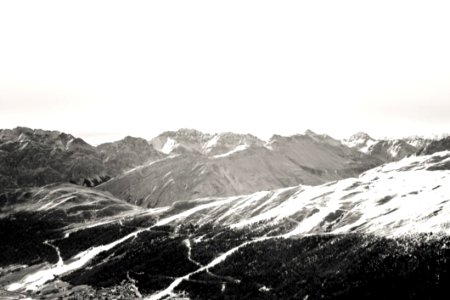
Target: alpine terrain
189,215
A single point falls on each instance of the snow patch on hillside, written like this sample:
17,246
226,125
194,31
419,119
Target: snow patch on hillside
211,143
367,147
169,146
235,150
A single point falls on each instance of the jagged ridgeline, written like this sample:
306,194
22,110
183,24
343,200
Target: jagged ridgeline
188,164
382,234
37,157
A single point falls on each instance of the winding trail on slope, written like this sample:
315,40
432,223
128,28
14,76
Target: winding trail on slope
187,242
300,230
169,290
60,260
48,273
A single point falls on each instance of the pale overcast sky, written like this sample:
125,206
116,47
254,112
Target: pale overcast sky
105,69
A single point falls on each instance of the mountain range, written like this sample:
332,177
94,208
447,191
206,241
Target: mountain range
187,164
200,165
189,215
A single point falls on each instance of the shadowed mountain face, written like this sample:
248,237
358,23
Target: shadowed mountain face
392,150
126,154
250,166
436,146
37,157
341,240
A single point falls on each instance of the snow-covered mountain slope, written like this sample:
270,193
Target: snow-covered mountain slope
403,197
68,202
284,161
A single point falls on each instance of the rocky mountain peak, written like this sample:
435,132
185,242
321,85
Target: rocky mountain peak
186,134
44,138
360,136
225,142
183,140
309,132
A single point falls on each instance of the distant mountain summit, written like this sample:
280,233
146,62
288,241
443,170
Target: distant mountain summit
386,150
195,142
223,143
360,141
55,139
181,141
